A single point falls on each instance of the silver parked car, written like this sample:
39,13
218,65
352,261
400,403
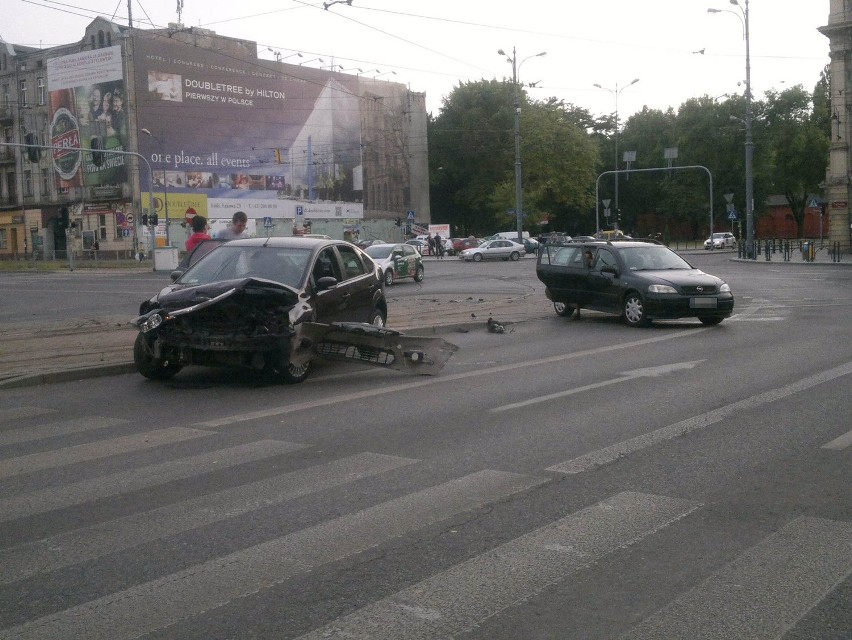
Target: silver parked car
492,250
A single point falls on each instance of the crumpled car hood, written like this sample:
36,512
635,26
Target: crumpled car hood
178,296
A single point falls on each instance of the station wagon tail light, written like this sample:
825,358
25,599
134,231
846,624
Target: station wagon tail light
661,288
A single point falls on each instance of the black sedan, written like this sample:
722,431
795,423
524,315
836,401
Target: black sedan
639,280
246,303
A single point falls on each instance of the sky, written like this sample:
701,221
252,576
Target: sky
675,48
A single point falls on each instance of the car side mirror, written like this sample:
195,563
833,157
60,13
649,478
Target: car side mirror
609,269
326,282
174,275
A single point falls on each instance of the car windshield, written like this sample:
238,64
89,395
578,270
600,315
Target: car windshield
282,264
379,251
718,236
652,257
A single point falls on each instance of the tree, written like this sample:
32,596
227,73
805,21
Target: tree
472,159
798,147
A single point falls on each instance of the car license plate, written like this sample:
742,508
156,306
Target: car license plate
702,303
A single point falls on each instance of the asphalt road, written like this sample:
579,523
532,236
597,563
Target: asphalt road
566,479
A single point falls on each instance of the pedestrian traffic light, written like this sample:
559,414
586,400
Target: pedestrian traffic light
153,219
399,222
97,154
144,219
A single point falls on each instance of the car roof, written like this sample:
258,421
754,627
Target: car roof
294,242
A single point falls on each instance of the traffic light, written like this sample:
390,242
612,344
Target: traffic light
144,219
97,154
278,156
153,219
399,222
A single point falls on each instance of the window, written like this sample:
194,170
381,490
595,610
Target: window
40,90
7,100
11,189
102,226
45,182
22,93
351,262
326,265
28,183
3,239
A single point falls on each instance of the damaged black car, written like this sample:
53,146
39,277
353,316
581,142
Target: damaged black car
246,302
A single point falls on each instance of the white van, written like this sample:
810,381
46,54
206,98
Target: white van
509,235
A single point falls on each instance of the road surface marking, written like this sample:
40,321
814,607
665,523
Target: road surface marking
764,592
23,412
128,613
75,425
92,489
462,597
612,453
647,372
411,384
104,538
840,443
100,449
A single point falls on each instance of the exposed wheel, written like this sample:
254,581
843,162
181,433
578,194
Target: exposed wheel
634,311
477,257
418,275
388,277
710,321
515,256
377,319
563,309
149,366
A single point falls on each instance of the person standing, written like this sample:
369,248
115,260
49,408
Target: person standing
439,246
199,233
237,228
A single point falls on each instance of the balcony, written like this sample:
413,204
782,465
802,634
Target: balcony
7,116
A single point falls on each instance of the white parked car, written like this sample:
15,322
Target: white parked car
492,250
721,241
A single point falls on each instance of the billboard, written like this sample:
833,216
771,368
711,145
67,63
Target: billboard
228,133
88,111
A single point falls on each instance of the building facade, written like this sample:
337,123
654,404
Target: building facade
838,179
103,134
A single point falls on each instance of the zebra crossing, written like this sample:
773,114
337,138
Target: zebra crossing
760,594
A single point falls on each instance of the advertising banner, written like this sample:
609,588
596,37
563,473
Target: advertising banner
88,112
251,135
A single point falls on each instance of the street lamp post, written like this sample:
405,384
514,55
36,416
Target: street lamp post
615,92
519,194
159,140
749,142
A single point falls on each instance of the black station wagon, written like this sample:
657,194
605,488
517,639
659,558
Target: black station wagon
639,280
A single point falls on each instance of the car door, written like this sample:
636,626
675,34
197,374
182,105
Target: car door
358,284
403,262
604,286
561,270
332,304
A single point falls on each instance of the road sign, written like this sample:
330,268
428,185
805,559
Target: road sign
129,217
733,216
411,215
812,203
606,203
267,221
300,210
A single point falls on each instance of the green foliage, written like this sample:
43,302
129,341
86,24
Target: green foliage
565,149
472,159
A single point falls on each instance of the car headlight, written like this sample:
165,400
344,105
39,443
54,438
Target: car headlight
151,323
725,288
661,288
